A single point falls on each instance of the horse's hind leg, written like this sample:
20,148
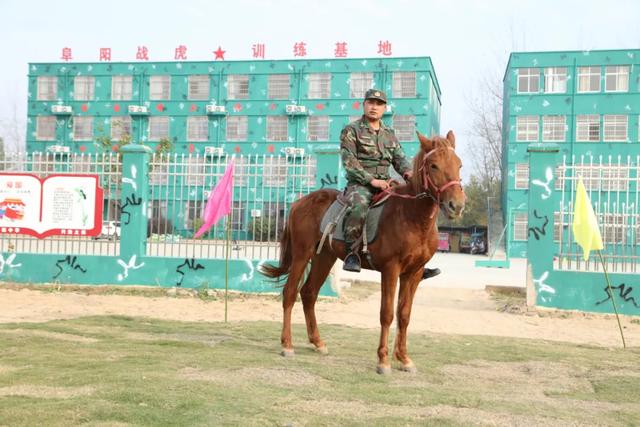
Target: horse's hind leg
320,267
289,294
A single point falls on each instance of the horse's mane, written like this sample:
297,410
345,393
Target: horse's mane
416,184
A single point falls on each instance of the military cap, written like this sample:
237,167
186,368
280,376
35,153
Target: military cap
376,94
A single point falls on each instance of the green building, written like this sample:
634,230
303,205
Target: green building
243,107
586,102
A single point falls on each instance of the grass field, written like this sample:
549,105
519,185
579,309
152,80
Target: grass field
101,371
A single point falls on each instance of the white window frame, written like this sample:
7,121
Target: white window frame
555,80
82,164
194,171
404,84
237,86
120,126
84,88
612,124
82,128
405,127
278,86
585,79
47,88
156,123
48,124
274,128
527,128
359,84
275,171
520,226
198,128
122,88
521,176
160,87
318,128
586,127
554,128
319,86
199,87
526,77
616,78
237,128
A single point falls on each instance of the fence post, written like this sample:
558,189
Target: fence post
134,200
540,219
329,167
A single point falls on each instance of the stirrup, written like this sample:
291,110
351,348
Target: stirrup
430,272
352,263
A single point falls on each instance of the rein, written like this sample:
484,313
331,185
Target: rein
429,187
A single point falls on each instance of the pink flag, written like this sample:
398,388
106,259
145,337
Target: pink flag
219,203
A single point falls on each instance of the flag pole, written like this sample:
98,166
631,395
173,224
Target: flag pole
613,299
226,269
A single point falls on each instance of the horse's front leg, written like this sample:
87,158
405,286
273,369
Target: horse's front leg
408,286
388,294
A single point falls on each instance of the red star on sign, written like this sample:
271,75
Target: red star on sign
219,53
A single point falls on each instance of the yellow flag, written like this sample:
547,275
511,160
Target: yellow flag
585,223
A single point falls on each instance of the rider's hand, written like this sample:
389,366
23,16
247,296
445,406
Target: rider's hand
379,183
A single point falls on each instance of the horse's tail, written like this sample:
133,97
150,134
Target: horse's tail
284,266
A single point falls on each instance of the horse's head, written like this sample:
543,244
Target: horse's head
436,170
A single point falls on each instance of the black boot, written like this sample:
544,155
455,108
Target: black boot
430,272
352,260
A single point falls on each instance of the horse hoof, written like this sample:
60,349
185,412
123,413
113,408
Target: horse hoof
383,370
322,350
287,352
410,368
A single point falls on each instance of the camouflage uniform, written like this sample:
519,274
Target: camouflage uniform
367,154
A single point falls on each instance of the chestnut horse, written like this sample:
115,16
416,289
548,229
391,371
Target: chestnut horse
407,239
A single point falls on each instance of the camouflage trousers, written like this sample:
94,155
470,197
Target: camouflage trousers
359,197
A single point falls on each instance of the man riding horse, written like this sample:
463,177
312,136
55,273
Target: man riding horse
368,147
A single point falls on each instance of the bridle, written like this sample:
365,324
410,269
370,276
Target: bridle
429,187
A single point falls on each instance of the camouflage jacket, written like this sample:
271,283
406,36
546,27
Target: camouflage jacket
367,155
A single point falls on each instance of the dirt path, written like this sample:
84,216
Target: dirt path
452,311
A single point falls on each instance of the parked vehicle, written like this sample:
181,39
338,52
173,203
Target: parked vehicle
443,242
477,244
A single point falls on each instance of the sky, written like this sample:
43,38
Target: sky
467,40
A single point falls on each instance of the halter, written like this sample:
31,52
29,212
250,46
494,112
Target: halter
428,185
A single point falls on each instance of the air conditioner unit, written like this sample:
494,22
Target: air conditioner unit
296,109
256,213
294,151
61,109
138,109
58,149
388,110
213,151
216,109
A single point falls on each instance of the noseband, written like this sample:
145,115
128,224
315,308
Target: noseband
429,186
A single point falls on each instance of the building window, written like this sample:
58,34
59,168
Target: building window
46,128
614,227
588,128
199,87
197,128
277,128
527,128
194,173
553,128
520,220
238,86
82,128
319,86
359,84
275,171
278,86
588,79
404,84
121,88
82,164
194,210
603,177
405,127
615,127
84,88
120,127
159,88
237,127
158,128
616,78
318,128
528,80
159,173
555,80
47,88
238,215
522,176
